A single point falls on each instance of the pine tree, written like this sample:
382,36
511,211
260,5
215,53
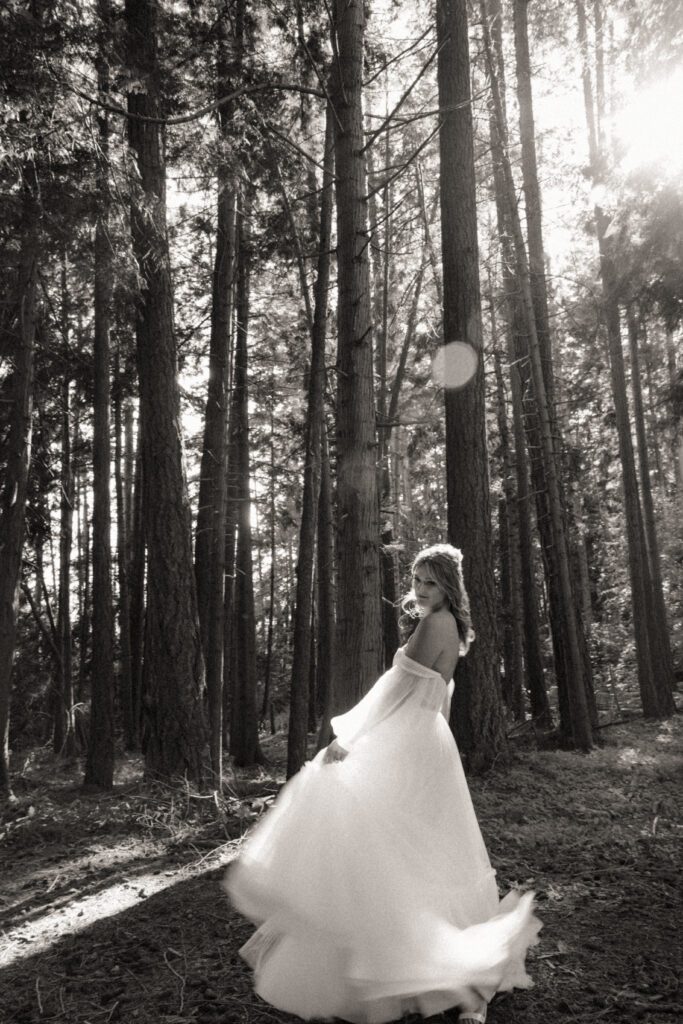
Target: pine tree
477,704
357,658
173,670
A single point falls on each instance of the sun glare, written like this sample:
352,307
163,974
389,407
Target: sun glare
650,129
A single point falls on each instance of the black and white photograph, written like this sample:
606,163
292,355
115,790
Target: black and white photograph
341,511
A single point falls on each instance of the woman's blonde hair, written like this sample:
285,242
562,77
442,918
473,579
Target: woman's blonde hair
444,564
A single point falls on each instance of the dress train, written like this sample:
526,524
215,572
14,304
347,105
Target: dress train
369,879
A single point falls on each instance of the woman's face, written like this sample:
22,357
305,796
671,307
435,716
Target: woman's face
430,596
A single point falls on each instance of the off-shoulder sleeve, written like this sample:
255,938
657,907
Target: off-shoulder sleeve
405,683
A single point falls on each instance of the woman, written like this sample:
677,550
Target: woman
369,878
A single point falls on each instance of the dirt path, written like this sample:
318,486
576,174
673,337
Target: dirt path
110,908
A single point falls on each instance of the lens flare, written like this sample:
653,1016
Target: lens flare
454,365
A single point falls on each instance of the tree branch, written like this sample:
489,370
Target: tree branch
195,115
405,96
402,53
406,164
41,625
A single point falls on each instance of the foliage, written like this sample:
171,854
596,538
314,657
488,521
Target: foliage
49,117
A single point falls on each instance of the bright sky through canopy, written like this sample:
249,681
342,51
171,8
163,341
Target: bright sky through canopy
650,127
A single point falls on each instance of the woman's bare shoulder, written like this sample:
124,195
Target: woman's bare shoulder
436,635
440,626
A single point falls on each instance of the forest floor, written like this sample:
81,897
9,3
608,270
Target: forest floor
111,910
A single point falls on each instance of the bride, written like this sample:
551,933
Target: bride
369,879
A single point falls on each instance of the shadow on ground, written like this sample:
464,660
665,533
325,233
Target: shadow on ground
596,836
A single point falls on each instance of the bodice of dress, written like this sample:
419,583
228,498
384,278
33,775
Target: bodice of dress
402,657
444,697
407,688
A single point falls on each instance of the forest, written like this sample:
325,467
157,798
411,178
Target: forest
291,290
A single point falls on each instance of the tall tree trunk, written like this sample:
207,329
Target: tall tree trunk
357,658
122,542
583,573
532,200
659,641
268,671
231,514
244,741
129,472
210,531
325,592
13,492
63,739
539,295
526,424
312,677
383,303
533,658
212,473
137,589
173,662
652,425
85,623
511,563
655,689
99,768
301,647
389,484
578,697
677,433
479,726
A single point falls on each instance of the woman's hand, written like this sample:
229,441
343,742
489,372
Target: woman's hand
334,752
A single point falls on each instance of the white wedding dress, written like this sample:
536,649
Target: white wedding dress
369,879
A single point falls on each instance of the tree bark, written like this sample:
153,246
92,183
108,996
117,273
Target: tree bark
63,738
84,629
357,658
578,699
663,665
532,200
527,424
129,475
210,529
125,677
173,662
137,589
325,591
268,670
99,768
652,425
232,508
535,675
13,492
539,296
299,689
478,716
244,741
510,561
383,287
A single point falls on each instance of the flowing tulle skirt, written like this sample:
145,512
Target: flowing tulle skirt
372,888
